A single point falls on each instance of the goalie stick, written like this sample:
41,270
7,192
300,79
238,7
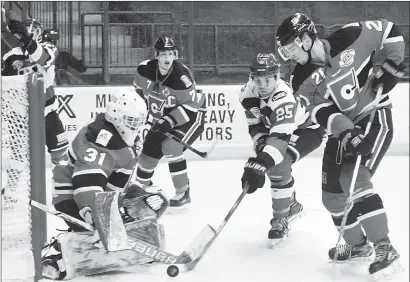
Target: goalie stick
349,201
189,147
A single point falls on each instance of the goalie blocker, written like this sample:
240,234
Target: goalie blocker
127,234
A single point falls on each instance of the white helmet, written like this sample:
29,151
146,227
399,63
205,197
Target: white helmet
127,112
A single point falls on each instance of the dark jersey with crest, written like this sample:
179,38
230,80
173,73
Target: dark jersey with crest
344,85
173,94
99,161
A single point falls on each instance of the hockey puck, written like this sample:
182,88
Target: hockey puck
172,271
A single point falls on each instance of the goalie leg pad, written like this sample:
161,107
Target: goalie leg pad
81,256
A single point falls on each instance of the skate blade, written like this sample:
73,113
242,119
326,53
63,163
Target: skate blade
394,269
274,243
370,258
178,210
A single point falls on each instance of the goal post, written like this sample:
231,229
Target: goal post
23,228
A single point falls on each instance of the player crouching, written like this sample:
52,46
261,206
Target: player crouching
127,234
92,187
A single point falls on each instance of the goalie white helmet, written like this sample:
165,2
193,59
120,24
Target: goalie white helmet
127,112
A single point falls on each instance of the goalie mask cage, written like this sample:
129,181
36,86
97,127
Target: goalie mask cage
23,228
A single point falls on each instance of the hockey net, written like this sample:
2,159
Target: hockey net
22,123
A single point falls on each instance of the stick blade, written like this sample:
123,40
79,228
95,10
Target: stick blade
199,243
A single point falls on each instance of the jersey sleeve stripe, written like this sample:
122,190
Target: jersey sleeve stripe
88,189
386,33
90,171
114,188
188,107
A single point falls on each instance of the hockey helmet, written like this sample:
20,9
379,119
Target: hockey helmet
35,28
164,43
127,112
264,64
291,30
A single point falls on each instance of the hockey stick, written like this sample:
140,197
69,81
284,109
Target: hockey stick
207,236
54,212
199,153
349,201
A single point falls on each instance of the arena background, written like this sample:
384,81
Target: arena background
216,39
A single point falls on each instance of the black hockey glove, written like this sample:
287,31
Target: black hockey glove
19,29
259,144
353,141
163,125
254,175
388,76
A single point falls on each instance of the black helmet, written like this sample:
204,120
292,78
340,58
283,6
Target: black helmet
35,28
164,43
264,64
294,27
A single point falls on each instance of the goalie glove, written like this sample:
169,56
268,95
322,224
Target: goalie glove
137,204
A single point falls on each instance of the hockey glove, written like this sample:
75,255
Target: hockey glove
163,125
388,76
19,29
254,175
259,144
353,141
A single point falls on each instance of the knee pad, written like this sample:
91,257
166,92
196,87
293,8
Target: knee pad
352,217
171,148
152,146
282,173
363,184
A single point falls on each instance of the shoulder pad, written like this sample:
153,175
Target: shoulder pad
342,38
148,69
180,78
103,134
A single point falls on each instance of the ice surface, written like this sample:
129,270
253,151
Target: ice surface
242,252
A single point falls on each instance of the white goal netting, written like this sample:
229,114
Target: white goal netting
16,219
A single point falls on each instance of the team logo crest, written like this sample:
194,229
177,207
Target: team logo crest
103,137
347,58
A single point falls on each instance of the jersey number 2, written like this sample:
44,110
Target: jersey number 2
92,155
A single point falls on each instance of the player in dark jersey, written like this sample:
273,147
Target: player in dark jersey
339,76
174,106
101,161
35,49
276,121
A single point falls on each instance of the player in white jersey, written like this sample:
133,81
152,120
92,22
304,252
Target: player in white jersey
277,125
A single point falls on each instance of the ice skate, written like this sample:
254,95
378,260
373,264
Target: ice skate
296,209
386,260
346,252
279,231
180,203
